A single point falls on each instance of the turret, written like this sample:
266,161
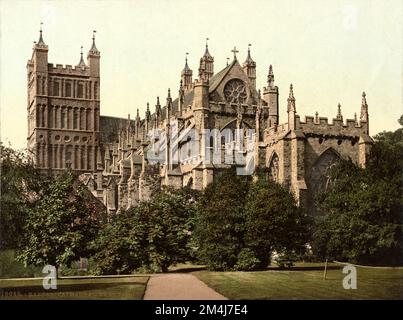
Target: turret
40,54
364,117
157,116
249,67
186,75
206,69
81,63
93,57
291,110
270,96
147,119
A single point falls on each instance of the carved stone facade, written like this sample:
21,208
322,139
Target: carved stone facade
121,162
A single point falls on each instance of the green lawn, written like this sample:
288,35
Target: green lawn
130,287
305,281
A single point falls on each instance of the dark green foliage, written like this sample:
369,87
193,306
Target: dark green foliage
240,223
60,225
151,236
274,222
247,260
121,245
219,227
21,187
363,207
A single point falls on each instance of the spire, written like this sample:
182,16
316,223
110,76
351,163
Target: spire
81,63
206,52
186,68
148,113
339,115
186,75
364,108
40,41
168,105
158,107
206,67
291,100
249,61
270,77
93,49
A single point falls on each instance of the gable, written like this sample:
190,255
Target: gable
232,71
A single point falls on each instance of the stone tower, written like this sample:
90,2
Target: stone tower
63,111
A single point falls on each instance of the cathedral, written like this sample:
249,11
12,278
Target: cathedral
213,122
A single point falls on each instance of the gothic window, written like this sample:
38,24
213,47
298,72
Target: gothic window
319,176
67,92
235,91
63,118
75,119
55,88
80,90
274,168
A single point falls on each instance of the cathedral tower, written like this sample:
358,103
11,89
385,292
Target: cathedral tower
63,111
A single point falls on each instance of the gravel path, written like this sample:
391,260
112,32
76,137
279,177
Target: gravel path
179,286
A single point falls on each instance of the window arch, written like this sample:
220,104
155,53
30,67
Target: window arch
273,171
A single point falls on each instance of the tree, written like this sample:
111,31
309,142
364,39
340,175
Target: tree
21,187
219,224
61,225
274,221
152,236
363,207
121,245
171,216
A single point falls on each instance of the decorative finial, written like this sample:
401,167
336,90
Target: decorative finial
316,117
148,106
81,63
158,100
270,77
227,61
364,99
291,96
93,47
186,68
235,51
40,35
339,115
207,39
169,93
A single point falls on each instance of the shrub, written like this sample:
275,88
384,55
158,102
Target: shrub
247,260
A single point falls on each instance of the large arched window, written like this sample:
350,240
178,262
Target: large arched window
273,172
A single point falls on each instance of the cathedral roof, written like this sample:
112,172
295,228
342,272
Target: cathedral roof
110,128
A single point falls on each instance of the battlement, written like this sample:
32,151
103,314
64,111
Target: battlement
321,125
68,69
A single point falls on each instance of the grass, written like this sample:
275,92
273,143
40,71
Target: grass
88,288
305,281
